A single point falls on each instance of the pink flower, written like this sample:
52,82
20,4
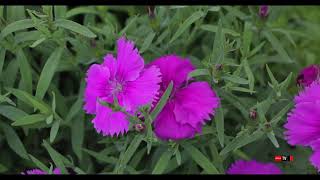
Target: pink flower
308,75
303,125
253,167
189,105
125,78
315,157
39,172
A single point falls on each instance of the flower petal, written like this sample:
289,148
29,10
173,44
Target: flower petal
166,126
97,77
110,62
253,167
129,61
110,123
141,91
194,103
173,68
315,159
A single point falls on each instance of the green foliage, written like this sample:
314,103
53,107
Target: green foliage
250,62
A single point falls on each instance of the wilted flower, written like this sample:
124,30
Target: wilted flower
124,79
253,167
303,125
189,105
39,172
308,75
263,11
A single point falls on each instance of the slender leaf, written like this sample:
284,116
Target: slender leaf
162,102
276,44
186,24
200,159
16,26
56,157
54,130
29,119
14,141
48,72
75,27
219,118
162,162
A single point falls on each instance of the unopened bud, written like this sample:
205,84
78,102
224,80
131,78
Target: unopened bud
139,127
263,11
151,11
253,114
219,67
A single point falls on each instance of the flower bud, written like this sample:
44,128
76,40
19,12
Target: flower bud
308,75
263,11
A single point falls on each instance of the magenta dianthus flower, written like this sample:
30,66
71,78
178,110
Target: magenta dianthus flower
303,123
253,167
308,75
123,78
189,105
39,172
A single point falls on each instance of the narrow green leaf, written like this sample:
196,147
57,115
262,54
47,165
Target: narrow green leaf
257,49
273,139
234,11
101,157
29,119
81,10
247,38
217,56
75,108
272,78
219,118
198,72
200,159
280,114
131,149
38,163
75,27
14,141
49,119
132,21
284,84
2,58
11,112
241,89
27,36
60,11
241,141
16,26
47,72
162,102
186,24
216,158
31,100
25,70
79,171
37,42
235,79
147,42
77,135
276,44
249,73
56,157
162,162
54,130
178,157
214,28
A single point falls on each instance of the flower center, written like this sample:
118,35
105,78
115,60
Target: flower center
116,87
